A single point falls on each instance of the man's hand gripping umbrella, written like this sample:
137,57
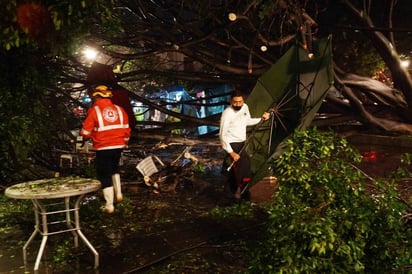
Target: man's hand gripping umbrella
266,115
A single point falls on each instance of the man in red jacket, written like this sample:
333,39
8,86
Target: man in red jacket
108,126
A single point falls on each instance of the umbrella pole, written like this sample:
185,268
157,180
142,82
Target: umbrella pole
271,132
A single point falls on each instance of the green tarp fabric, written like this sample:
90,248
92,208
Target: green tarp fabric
293,89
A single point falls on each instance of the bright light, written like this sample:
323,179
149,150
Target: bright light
310,55
232,16
263,48
90,54
405,63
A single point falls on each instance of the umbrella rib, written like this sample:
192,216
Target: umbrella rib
283,100
278,116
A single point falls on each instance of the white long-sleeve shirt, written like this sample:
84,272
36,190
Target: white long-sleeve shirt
233,126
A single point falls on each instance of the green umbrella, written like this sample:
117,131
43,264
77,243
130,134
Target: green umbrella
293,90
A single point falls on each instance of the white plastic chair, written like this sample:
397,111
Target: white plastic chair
147,167
71,156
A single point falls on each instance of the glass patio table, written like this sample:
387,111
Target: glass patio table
52,197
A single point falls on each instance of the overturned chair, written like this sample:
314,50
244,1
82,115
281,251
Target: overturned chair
155,172
148,168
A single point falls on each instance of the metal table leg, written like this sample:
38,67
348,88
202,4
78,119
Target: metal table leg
41,227
36,230
78,230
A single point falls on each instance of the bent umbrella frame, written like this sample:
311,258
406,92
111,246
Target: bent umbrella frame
293,89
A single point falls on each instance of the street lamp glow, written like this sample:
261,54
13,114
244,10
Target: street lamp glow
90,54
405,63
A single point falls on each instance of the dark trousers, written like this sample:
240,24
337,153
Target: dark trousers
107,164
240,173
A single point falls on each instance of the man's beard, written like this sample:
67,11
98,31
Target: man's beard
237,108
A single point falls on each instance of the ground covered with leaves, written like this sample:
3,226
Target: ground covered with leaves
197,228
148,233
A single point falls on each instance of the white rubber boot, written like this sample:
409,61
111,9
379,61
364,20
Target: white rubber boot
108,196
117,187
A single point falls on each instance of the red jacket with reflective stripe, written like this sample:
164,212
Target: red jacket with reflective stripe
107,124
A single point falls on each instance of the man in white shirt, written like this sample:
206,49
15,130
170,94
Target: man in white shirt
232,135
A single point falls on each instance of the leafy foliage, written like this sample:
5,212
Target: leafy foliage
402,171
322,218
243,209
54,25
34,38
21,94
